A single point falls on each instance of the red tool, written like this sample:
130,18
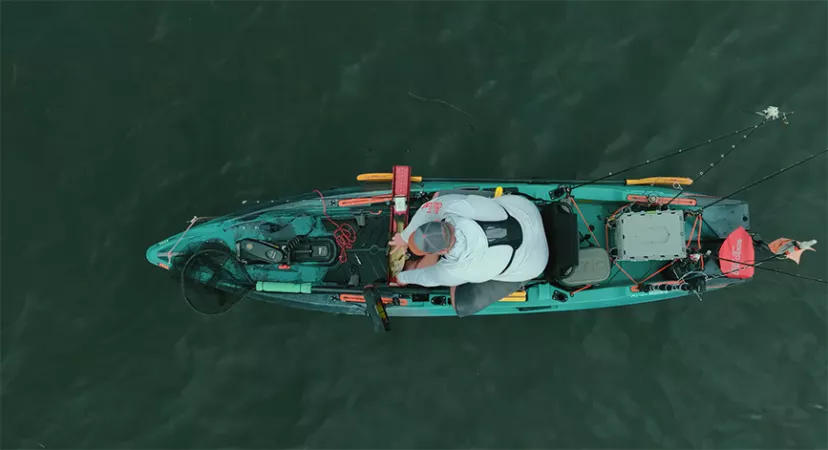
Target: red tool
400,192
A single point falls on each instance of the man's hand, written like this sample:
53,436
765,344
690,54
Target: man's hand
397,241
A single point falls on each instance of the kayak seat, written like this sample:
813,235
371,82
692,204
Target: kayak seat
561,227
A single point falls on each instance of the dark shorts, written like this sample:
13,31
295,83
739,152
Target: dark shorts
471,298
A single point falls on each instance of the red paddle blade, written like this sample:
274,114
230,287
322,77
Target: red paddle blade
736,249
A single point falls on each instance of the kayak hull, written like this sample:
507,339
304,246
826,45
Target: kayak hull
366,207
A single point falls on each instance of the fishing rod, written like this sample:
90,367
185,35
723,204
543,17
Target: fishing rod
771,114
767,177
721,158
381,288
757,266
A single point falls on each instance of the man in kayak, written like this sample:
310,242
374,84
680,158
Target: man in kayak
483,248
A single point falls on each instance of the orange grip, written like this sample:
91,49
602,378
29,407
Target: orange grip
669,181
662,200
384,177
354,298
364,200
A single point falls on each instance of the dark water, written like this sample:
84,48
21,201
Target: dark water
120,121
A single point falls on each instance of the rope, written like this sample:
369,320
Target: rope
625,272
693,231
583,288
192,222
606,224
344,234
606,236
575,204
598,244
692,272
696,222
659,270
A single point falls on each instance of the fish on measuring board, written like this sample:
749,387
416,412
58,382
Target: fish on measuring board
396,260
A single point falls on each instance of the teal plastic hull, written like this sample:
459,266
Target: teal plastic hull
303,214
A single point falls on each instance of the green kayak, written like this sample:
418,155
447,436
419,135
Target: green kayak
611,243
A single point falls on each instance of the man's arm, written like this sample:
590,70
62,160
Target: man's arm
431,276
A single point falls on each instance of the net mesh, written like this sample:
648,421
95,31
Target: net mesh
213,280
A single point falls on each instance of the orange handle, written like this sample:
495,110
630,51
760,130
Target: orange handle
669,181
383,177
662,200
364,200
360,299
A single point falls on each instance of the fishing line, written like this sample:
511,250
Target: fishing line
675,153
757,266
767,177
770,114
721,158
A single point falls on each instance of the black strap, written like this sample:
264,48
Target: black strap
509,264
503,232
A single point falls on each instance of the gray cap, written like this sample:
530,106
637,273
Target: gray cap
433,237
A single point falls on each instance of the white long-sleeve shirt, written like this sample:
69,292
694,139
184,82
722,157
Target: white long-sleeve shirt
471,260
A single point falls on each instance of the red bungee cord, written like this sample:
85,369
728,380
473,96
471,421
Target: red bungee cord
344,234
